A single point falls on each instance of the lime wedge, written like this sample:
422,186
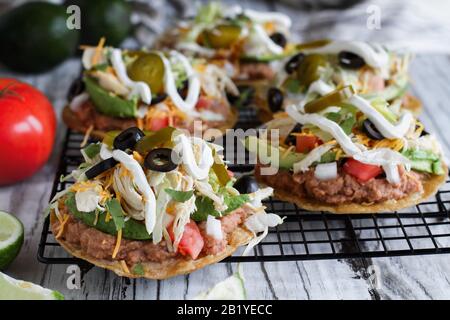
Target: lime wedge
11,238
231,288
12,289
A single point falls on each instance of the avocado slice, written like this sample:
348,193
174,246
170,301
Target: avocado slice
133,230
264,150
395,90
108,103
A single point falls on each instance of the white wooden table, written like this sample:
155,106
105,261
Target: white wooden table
414,277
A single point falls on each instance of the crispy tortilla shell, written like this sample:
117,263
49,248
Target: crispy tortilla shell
158,270
430,186
74,123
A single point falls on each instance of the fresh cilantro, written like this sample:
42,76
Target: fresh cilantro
347,124
138,269
116,212
329,156
92,150
179,196
334,116
205,206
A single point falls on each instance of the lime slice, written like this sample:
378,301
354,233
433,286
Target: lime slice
231,288
11,238
12,289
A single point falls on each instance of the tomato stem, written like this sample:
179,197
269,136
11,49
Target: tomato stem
7,91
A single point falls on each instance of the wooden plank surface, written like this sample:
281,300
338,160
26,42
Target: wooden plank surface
401,277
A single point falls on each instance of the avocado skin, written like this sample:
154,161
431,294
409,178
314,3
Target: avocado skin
103,18
35,38
132,230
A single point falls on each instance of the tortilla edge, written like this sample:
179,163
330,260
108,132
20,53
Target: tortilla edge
160,271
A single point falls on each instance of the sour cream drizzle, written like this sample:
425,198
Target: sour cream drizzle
386,128
374,56
171,89
142,185
137,87
326,125
261,17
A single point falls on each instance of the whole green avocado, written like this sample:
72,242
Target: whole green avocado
34,37
103,18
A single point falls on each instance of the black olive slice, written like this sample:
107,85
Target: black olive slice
246,184
100,168
279,39
275,99
128,138
371,130
291,139
159,98
160,160
350,60
294,62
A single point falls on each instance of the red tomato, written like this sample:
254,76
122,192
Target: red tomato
305,143
191,242
203,103
361,171
27,130
158,123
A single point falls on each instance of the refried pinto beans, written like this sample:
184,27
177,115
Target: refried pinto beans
345,188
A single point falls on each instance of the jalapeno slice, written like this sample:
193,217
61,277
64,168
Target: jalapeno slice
334,98
313,44
308,70
220,37
149,68
150,141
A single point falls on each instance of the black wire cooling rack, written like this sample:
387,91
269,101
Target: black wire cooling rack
419,230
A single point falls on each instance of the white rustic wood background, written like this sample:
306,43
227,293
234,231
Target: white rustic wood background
414,277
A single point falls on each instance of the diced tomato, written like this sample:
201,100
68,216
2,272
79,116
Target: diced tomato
361,171
158,123
203,103
191,242
306,143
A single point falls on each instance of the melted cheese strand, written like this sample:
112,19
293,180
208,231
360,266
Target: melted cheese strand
386,128
142,185
137,88
170,86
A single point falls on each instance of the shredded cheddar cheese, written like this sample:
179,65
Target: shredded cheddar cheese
140,123
98,51
61,226
117,247
86,136
124,266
